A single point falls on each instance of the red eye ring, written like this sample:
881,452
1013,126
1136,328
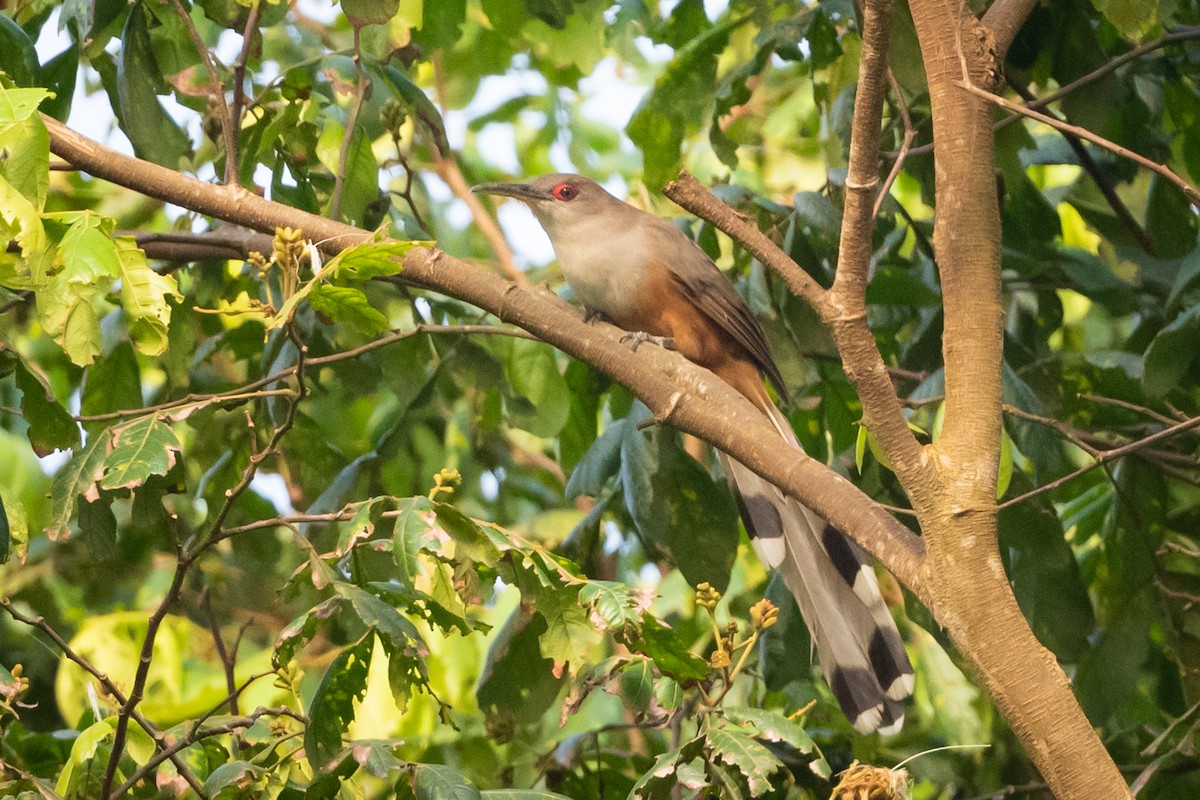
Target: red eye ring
564,191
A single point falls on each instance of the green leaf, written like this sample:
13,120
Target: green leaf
442,24
1045,576
569,634
600,463
360,187
98,526
518,683
77,477
147,446
332,707
660,781
1172,353
154,134
439,782
774,726
677,505
679,102
613,602
408,536
349,306
379,616
376,756
51,427
18,55
114,383
144,295
19,222
667,649
540,403
365,261
521,794
26,145
739,749
369,12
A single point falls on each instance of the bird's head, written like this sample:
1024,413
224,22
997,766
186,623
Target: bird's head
558,201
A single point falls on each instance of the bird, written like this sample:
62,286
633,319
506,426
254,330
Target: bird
643,274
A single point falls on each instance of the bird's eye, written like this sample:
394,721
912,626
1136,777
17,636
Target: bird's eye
564,191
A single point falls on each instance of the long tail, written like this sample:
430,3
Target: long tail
857,643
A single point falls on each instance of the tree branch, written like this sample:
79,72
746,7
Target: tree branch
678,391
1005,18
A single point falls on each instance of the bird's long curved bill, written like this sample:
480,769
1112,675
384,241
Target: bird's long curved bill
521,191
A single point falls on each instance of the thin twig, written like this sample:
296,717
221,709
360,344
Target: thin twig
1192,192
360,95
192,738
108,685
227,663
239,77
1105,457
216,91
1097,175
905,145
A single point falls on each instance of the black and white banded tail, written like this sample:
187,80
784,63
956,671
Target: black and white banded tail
857,643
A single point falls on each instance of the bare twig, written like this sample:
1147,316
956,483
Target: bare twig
1105,457
1192,192
216,91
361,84
108,686
1097,175
239,76
196,735
905,145
227,662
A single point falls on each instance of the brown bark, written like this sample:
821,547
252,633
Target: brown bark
962,571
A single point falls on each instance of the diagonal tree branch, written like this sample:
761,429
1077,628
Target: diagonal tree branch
676,390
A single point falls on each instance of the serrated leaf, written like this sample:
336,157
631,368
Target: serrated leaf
376,757
77,477
613,602
366,261
349,306
144,447
301,630
740,750
26,145
50,426
144,295
569,633
332,707
408,536
378,615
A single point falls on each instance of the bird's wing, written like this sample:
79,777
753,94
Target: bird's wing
710,291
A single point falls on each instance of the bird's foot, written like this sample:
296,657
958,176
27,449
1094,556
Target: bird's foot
641,337
590,315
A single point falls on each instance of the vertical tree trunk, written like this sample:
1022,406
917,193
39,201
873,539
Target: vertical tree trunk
964,575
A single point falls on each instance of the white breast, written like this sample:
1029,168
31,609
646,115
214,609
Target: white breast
603,266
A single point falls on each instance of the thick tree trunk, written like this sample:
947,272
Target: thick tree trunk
962,574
